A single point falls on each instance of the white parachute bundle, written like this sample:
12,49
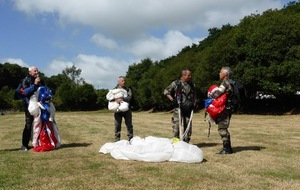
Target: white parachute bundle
153,149
115,94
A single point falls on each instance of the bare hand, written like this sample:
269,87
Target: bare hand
118,100
37,80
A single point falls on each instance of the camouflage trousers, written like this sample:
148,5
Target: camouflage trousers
223,122
175,125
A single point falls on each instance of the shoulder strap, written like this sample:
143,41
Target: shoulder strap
178,87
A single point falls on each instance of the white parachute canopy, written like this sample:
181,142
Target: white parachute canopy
153,149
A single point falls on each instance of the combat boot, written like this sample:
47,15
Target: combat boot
226,148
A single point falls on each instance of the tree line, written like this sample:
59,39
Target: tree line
71,92
263,51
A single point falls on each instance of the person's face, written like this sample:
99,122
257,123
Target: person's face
34,72
121,82
222,74
187,77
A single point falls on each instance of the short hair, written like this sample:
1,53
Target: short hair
227,70
121,77
31,68
184,71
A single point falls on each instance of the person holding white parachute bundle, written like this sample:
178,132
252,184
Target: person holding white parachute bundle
119,102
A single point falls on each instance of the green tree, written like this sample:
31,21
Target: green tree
87,97
11,75
73,73
65,98
73,92
54,82
101,98
133,77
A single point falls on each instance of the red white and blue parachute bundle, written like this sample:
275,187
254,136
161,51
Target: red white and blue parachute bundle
45,134
214,106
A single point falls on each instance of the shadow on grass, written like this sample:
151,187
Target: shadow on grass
201,145
247,148
13,149
235,148
71,145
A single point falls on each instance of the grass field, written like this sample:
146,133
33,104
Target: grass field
267,150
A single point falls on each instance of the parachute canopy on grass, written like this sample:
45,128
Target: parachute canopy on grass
153,149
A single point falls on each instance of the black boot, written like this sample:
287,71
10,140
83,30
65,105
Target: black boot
187,140
226,148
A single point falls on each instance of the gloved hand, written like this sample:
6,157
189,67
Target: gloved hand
195,106
174,102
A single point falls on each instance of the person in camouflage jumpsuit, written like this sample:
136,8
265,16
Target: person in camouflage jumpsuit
223,119
182,94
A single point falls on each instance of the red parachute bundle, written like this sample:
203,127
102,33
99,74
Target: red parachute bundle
215,106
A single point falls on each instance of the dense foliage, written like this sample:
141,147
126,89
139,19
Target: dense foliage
70,91
262,50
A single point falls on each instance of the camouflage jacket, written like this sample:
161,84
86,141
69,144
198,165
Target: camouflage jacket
224,87
181,90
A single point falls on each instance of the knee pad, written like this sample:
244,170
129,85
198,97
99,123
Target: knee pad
224,134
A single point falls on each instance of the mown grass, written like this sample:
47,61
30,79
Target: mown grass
266,155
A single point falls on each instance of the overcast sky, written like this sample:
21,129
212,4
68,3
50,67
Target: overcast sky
104,37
